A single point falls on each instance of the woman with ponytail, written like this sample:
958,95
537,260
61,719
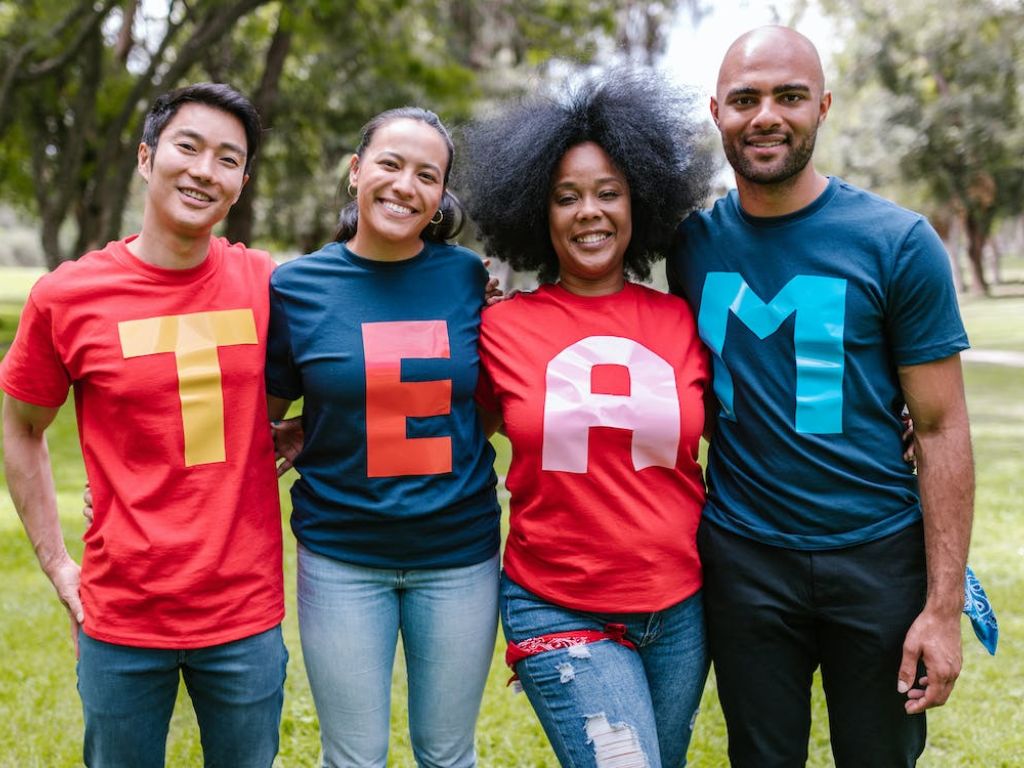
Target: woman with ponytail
394,510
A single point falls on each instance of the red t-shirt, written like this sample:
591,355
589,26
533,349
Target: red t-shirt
602,399
167,366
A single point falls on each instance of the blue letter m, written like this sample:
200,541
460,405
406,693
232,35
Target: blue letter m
820,307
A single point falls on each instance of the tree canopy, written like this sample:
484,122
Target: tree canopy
939,88
77,76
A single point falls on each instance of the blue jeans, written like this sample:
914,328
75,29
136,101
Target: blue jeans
128,695
604,704
349,620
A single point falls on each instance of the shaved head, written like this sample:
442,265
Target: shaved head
772,45
768,105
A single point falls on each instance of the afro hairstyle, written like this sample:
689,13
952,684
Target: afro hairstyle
647,126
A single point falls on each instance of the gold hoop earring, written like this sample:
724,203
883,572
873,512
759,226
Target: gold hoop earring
440,218
351,190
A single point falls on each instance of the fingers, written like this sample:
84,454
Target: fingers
288,439
933,691
87,510
909,454
937,647
75,629
73,603
908,669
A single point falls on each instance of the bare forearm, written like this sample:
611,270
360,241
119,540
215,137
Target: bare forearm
30,481
946,478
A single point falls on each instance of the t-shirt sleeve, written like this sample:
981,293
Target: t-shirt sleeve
924,321
282,375
32,370
485,396
674,261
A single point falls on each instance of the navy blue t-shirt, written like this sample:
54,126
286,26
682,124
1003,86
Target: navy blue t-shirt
395,471
807,317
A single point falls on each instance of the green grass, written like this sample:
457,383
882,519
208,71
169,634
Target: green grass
983,726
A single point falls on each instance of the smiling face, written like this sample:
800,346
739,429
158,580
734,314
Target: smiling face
768,105
589,220
400,182
195,173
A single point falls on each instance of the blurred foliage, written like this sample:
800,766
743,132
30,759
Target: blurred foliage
76,77
934,102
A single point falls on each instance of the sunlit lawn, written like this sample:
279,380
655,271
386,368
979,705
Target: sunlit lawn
40,719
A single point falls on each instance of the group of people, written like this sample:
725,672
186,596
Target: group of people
806,314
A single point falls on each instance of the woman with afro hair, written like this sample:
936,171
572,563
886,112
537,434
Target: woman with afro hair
599,383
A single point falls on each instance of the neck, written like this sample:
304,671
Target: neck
383,250
162,249
604,286
781,198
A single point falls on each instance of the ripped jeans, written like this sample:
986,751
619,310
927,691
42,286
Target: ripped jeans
603,705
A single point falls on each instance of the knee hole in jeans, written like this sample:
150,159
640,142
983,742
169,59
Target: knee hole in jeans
615,746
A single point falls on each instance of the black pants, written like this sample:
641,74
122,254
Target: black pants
774,615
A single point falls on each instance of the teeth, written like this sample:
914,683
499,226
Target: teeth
396,207
195,194
595,238
767,144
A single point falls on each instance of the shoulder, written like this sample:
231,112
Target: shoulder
514,307
655,298
459,255
306,265
703,222
874,210
76,280
238,254
661,305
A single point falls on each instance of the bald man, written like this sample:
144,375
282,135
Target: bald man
826,309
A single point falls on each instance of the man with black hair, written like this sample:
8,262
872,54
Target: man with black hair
157,333
826,309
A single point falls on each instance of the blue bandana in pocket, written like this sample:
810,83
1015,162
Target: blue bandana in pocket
979,611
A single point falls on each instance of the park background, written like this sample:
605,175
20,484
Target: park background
928,110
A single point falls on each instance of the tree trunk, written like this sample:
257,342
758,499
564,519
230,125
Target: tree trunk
241,217
977,234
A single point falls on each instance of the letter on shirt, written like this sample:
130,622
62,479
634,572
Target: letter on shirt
650,408
194,339
390,402
820,307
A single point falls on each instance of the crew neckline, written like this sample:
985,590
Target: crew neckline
381,264
206,267
800,214
565,293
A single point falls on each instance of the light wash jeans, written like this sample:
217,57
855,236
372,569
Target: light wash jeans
603,704
349,620
128,695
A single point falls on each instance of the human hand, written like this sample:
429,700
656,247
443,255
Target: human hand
492,293
87,510
909,454
934,641
288,440
65,575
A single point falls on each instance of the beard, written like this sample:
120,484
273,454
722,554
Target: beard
777,172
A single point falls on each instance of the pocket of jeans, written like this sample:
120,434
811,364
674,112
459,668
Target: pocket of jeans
521,611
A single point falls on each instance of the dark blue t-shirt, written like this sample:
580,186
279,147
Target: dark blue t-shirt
395,471
807,317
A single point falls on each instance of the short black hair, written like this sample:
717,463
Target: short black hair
647,126
217,95
453,215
